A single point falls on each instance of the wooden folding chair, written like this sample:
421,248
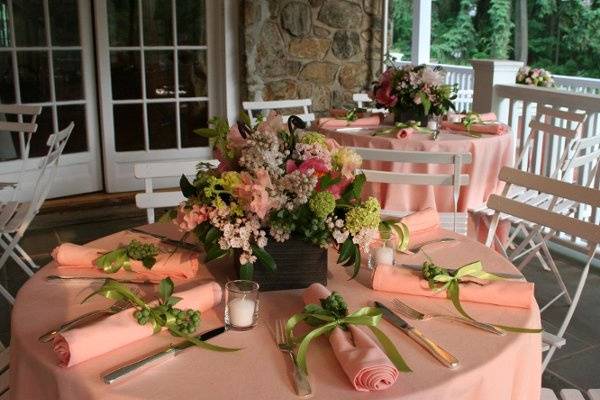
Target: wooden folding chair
251,107
455,221
150,199
555,222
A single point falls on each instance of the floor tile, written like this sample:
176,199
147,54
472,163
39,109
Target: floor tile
552,381
580,369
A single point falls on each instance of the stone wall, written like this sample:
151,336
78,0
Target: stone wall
320,49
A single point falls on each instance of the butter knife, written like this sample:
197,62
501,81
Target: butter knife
433,348
51,278
152,359
418,267
168,240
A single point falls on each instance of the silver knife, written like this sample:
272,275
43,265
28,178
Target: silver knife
418,267
433,348
50,278
168,240
171,351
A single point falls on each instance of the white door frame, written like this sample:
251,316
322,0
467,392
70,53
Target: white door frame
77,172
118,166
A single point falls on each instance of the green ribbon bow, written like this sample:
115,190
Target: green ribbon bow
385,231
440,279
121,257
367,316
161,315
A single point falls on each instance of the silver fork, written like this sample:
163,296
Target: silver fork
82,319
410,312
416,249
300,379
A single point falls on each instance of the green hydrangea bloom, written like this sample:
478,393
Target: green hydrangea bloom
322,204
230,180
313,138
366,215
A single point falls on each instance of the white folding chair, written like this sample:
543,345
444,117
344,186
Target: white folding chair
454,221
150,199
16,215
554,222
4,372
361,98
251,107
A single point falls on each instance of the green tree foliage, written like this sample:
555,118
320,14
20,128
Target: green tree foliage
564,35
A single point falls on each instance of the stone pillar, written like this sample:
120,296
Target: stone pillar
489,73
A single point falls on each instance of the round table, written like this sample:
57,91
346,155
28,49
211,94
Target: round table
489,154
492,367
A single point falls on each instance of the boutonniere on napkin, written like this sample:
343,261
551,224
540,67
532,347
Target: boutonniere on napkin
121,257
402,130
441,279
160,314
470,119
352,114
333,313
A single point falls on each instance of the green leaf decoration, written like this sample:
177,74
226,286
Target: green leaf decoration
264,257
327,181
148,262
187,189
357,262
214,252
245,118
165,289
345,251
206,132
385,230
426,103
247,271
212,235
358,184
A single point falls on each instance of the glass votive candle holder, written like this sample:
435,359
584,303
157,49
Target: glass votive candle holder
241,304
382,251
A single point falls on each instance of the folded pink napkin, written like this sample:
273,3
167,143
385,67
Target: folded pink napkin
422,225
110,333
362,360
405,133
328,122
491,128
72,259
508,293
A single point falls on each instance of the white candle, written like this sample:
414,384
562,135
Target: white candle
454,118
384,255
432,125
241,312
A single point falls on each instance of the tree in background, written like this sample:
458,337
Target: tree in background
562,36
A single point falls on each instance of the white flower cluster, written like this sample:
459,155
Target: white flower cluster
336,226
296,187
280,232
364,237
262,150
307,151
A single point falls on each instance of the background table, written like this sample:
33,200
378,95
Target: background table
492,367
490,153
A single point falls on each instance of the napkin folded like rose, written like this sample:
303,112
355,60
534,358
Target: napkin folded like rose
405,133
508,293
366,122
362,360
118,330
181,264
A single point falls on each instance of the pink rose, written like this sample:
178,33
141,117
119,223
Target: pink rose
189,218
384,96
290,166
316,164
337,189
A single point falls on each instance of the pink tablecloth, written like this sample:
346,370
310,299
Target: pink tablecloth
492,367
490,153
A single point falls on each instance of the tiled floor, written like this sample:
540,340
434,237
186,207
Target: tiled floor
575,365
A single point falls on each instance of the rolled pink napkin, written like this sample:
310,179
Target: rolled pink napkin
329,122
387,278
81,344
405,133
492,128
422,225
362,360
180,264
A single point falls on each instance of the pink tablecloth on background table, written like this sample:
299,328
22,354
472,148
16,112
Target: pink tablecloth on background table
492,367
490,153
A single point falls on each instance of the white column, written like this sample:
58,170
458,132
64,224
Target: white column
421,32
489,73
232,56
384,37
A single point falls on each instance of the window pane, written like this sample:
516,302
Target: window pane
129,127
78,139
64,24
159,74
158,26
123,23
161,126
67,75
7,89
33,76
194,115
192,73
40,138
191,23
4,31
126,75
29,22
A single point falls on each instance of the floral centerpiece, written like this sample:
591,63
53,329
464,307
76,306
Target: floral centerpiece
276,184
413,93
534,77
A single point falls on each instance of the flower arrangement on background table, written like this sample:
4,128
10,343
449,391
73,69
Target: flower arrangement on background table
414,92
274,183
534,77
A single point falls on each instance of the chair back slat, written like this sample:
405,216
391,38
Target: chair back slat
22,109
18,127
414,179
566,115
550,129
417,157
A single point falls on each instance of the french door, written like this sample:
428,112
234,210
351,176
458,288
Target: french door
46,58
156,83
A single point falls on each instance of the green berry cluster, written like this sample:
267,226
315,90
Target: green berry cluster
142,316
335,304
187,321
139,251
430,271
